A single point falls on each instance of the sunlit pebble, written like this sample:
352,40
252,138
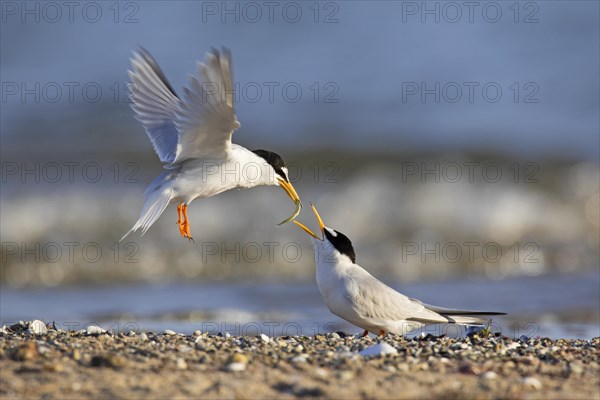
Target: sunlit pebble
38,327
490,375
321,373
345,375
513,345
264,338
531,382
379,349
181,364
237,362
169,332
235,367
94,330
576,368
184,348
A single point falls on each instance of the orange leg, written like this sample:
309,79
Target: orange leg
381,333
365,334
186,223
180,219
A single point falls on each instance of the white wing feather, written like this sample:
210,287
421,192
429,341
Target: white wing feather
155,105
201,125
374,300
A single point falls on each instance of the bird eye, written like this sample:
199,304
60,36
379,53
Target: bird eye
282,173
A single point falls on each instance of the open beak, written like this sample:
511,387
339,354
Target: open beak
289,189
321,225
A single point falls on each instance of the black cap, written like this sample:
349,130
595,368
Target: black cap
274,160
341,243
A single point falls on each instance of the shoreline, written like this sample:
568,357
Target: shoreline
40,362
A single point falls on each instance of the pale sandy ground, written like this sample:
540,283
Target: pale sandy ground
61,364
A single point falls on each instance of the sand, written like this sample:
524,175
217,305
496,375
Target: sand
94,364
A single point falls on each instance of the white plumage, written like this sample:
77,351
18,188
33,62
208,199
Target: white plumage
355,295
192,137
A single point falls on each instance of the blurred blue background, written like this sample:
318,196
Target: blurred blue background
458,146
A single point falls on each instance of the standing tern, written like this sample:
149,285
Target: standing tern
192,137
353,294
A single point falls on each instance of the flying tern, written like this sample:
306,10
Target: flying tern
355,295
192,137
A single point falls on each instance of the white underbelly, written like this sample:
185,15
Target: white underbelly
340,302
202,180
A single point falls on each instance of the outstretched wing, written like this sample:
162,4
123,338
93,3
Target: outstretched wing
207,119
155,104
201,124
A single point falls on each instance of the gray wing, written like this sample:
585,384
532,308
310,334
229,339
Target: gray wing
201,124
206,119
453,311
461,316
373,299
155,104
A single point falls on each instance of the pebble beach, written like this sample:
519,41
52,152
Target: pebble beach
38,361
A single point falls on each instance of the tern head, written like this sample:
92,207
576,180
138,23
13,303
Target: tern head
281,178
333,245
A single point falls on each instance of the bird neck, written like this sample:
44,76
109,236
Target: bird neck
332,268
254,170
330,259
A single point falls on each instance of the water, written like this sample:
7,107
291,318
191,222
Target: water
557,306
367,54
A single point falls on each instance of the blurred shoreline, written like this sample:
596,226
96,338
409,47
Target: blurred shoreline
410,218
553,305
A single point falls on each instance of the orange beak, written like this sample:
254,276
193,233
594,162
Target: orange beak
289,189
319,220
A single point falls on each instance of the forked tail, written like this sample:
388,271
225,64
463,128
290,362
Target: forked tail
466,317
483,319
155,203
